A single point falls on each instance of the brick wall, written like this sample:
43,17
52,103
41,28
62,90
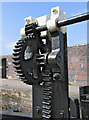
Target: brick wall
78,65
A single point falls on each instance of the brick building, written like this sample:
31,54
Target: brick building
78,65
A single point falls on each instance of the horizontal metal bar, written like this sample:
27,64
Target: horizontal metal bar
69,21
72,20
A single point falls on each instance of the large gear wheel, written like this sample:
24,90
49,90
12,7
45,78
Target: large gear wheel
25,58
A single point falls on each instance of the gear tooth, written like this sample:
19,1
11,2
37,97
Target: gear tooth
22,77
16,57
17,66
17,49
16,53
16,62
21,74
20,42
24,80
27,37
18,71
18,45
22,39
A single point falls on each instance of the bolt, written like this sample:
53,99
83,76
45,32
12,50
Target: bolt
55,11
38,109
27,20
87,96
42,83
56,76
62,115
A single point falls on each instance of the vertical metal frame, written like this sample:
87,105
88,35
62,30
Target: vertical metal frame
59,106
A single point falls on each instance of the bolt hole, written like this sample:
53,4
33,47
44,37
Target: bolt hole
55,11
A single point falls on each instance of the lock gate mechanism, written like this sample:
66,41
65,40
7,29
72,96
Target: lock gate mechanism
40,59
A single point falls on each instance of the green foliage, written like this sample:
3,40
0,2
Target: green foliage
69,83
13,79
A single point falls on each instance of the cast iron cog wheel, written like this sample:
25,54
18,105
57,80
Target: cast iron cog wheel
25,59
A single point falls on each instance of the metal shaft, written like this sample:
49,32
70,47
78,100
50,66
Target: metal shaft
69,21
72,20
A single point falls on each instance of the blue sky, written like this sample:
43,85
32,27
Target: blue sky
13,15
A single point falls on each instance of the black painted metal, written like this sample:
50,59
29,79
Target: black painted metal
73,109
13,117
4,65
26,56
9,115
76,19
59,80
77,104
84,101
